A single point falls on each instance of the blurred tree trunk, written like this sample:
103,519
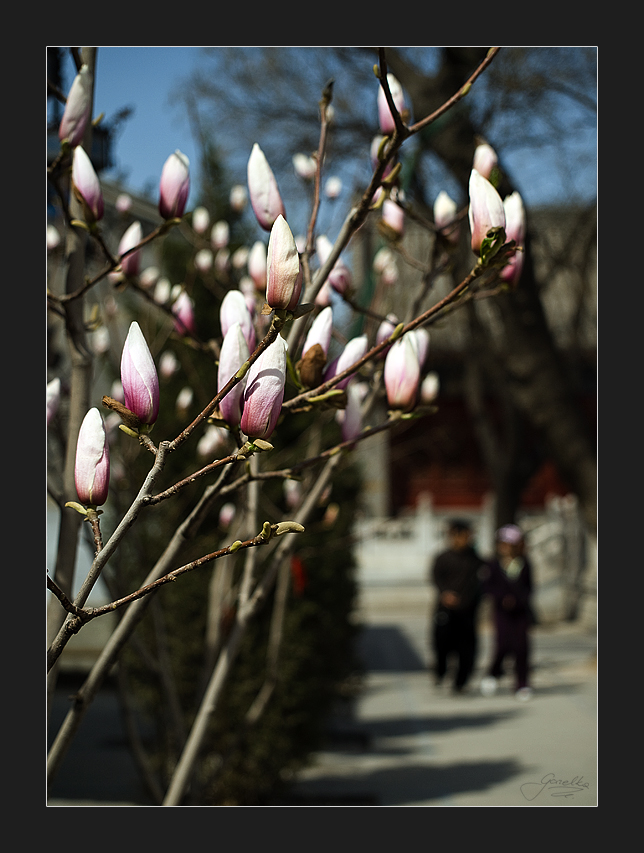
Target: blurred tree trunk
533,369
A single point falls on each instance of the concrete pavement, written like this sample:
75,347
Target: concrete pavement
407,743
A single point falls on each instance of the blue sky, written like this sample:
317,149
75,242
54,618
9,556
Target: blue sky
143,77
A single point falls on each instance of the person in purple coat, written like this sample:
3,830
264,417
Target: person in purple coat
507,579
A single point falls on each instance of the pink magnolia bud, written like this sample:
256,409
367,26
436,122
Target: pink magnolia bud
264,391
204,260
123,203
485,160
184,400
227,515
385,117
284,271
333,186
174,186
445,211
351,417
92,470
323,298
393,217
139,377
264,193
53,238
514,230
304,166
168,364
320,331
220,234
429,388
214,441
238,198
402,374
130,265
485,211
77,109
292,493
352,352
184,313
234,309
257,265
53,398
234,352
385,330
86,185
200,220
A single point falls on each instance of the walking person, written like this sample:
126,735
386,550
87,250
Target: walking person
455,574
508,582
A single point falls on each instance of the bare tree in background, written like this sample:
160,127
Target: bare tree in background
526,94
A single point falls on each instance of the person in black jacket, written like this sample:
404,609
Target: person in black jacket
455,573
508,582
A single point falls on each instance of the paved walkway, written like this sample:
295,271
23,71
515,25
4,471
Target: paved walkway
408,743
403,742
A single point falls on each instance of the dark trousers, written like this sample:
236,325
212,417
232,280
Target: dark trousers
512,638
454,632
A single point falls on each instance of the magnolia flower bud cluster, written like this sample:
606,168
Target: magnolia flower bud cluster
254,402
140,408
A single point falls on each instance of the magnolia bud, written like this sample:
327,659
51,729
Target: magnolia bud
264,391
174,186
485,160
184,313
429,388
257,265
393,218
200,220
402,374
351,417
92,469
320,331
333,186
77,109
264,193
353,351
220,234
385,118
445,217
53,398
284,272
485,211
139,377
304,166
238,198
87,187
514,230
132,237
234,353
234,309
